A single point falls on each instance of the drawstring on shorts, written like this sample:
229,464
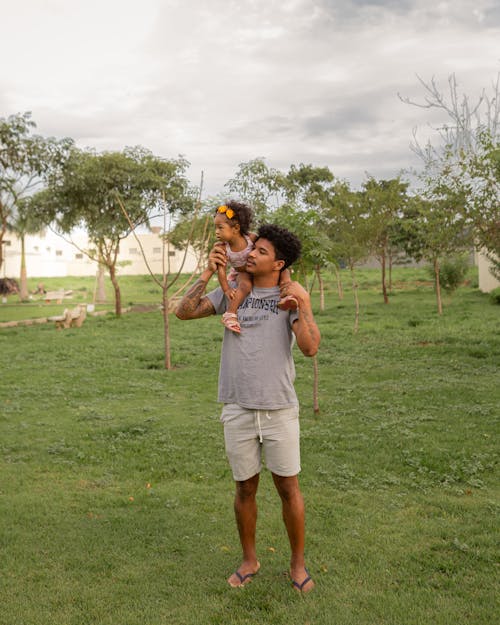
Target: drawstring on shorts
268,416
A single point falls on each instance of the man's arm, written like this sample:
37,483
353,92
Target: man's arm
194,304
305,328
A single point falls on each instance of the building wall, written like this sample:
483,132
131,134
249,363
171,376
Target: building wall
487,282
49,255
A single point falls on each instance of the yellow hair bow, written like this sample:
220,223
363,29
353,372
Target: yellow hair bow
229,212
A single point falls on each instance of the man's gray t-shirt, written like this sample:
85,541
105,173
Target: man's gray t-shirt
256,367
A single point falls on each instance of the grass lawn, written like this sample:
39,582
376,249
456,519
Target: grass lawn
116,497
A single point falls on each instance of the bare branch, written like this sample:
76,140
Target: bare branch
466,117
132,229
190,236
87,253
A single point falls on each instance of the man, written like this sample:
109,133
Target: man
256,386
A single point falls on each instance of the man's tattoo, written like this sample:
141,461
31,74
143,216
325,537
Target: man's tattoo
192,302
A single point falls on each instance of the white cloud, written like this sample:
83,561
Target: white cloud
224,82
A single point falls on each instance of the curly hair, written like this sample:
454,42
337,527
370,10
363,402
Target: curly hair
243,215
286,245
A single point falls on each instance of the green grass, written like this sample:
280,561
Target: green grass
400,470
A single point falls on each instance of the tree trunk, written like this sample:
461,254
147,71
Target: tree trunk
390,272
356,300
437,283
315,385
3,230
166,328
23,278
101,289
317,269
340,289
116,286
384,285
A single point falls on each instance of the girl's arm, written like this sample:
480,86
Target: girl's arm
222,276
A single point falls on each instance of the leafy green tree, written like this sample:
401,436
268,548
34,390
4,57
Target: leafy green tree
88,190
385,200
436,230
25,221
480,180
306,188
25,160
349,231
257,184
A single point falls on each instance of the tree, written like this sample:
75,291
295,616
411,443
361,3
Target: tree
257,184
25,221
349,231
462,157
436,230
167,281
305,188
25,160
480,180
460,134
385,200
88,190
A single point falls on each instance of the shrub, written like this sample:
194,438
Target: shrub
452,272
495,296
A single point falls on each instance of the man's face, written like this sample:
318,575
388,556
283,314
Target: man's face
262,259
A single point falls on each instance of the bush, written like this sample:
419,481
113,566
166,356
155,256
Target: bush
495,296
452,272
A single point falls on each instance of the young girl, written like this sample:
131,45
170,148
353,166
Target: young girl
232,229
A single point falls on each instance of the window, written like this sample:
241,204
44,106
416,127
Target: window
7,243
36,248
171,253
78,256
133,250
58,252
156,250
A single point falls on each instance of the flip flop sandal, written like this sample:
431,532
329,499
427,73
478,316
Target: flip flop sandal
300,587
230,321
244,579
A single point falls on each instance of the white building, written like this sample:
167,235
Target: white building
487,281
49,255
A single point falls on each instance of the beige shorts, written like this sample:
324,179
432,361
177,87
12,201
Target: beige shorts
249,432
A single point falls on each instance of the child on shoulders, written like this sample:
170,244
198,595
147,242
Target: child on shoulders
232,229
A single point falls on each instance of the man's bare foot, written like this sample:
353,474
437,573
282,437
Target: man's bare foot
243,575
301,580
288,303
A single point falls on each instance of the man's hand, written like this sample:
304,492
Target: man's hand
305,328
216,257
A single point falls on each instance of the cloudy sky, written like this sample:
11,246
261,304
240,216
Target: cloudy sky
226,81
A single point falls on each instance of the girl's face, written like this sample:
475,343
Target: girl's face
224,229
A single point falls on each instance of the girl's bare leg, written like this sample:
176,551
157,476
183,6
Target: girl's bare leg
243,289
230,317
